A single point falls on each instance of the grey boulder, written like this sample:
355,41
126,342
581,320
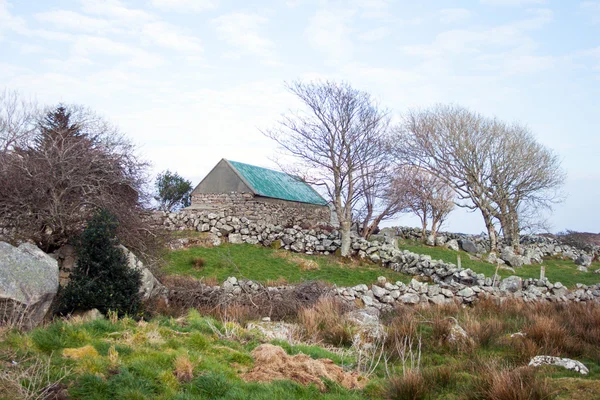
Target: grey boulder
151,287
28,283
511,284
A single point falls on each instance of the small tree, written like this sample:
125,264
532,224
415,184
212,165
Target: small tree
102,278
173,191
426,196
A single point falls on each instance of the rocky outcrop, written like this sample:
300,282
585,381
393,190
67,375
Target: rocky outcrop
28,284
151,287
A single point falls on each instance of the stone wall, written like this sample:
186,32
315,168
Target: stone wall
257,208
385,295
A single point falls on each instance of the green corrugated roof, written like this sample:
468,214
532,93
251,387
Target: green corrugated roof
278,185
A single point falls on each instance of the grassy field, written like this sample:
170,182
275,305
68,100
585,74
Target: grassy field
199,357
557,270
265,264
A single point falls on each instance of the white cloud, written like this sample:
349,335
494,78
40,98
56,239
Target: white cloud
87,46
329,32
9,22
167,35
465,41
452,15
185,5
374,35
115,9
511,3
75,21
243,31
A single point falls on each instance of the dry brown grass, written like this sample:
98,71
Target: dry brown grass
503,383
198,263
410,386
324,321
281,281
184,369
304,264
484,333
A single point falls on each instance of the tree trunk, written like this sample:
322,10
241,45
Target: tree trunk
515,239
345,230
424,230
489,224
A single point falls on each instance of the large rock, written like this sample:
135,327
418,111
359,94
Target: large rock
584,260
470,247
567,363
28,283
452,245
512,259
151,287
511,284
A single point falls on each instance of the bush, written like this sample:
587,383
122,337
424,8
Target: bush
101,278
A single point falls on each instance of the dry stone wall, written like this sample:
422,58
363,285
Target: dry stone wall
447,281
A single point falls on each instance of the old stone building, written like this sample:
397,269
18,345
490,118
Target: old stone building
257,193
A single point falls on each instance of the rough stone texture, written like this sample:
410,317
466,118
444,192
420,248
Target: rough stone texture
572,365
584,260
452,245
512,259
511,284
257,208
470,247
151,287
28,283
444,278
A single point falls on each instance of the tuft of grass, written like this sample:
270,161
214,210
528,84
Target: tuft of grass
410,386
510,384
184,369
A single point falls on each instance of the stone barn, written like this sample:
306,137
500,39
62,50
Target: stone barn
260,194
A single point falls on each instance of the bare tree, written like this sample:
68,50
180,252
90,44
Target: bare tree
18,118
75,164
497,168
379,198
453,144
426,196
337,139
526,177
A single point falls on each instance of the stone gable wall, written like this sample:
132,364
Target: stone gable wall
257,208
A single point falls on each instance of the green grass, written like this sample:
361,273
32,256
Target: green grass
264,264
557,270
146,362
147,353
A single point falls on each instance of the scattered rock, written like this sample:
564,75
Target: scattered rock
572,365
274,330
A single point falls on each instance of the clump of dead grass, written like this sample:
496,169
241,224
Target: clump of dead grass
325,321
